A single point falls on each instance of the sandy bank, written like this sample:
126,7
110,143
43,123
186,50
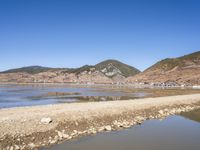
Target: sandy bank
21,128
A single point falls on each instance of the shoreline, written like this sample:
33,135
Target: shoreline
38,126
137,85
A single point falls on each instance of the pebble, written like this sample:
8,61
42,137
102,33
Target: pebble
31,145
11,148
46,120
108,128
60,134
17,147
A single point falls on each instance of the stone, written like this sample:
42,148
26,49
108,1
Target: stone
65,136
11,148
31,145
56,137
52,141
46,120
101,129
17,147
108,128
75,131
60,134
161,112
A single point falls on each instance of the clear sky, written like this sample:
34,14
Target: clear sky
72,33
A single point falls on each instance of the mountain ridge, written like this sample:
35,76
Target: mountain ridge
184,70
108,71
126,70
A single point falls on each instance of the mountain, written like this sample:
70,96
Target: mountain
113,67
109,71
30,69
183,70
190,60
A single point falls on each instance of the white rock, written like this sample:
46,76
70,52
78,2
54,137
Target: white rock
31,145
11,148
161,112
101,129
46,120
52,141
108,128
65,136
60,134
17,147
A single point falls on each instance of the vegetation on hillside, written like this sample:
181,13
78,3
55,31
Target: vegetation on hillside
31,69
170,63
126,70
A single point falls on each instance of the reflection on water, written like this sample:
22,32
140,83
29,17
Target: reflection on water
193,115
26,95
173,133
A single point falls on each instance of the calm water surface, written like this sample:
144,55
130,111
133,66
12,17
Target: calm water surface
28,95
173,133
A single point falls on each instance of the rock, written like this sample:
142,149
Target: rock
17,147
151,117
94,132
161,112
60,135
56,137
33,138
108,128
31,145
75,131
65,136
52,141
46,120
101,129
139,119
11,148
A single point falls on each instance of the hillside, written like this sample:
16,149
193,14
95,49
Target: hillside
183,70
115,66
31,69
109,71
180,62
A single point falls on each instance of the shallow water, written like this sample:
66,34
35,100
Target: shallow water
173,133
28,95
38,94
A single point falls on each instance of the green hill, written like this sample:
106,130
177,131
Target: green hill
125,69
30,69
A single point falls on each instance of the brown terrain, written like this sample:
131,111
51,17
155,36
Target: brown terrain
107,72
181,71
175,71
38,126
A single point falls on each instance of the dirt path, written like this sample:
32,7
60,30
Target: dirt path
22,128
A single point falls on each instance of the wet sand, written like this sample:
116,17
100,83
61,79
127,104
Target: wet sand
22,127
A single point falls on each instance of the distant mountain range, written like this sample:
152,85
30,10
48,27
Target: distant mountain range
109,71
31,69
183,70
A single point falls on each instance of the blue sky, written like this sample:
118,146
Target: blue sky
63,33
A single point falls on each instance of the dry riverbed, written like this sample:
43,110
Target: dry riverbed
37,126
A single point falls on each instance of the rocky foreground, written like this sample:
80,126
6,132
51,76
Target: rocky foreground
34,127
